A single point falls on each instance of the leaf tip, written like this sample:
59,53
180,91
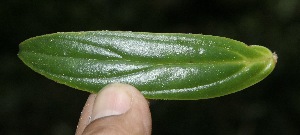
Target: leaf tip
275,57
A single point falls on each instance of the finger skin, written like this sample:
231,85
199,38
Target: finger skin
136,121
84,119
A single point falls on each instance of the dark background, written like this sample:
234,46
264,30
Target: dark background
31,104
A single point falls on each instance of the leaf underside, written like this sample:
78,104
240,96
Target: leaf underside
161,65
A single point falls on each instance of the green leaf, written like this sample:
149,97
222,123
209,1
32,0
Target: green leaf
161,65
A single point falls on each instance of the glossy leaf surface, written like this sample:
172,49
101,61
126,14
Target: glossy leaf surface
160,65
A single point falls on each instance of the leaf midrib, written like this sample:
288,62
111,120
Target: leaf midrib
246,62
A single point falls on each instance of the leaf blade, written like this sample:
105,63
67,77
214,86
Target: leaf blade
163,65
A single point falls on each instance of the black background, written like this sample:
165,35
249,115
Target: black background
31,104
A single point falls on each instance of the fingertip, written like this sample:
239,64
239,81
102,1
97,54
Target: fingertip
120,108
114,99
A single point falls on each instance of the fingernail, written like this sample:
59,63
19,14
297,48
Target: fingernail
114,99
